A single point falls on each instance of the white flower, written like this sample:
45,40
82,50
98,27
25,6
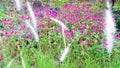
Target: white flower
109,29
60,23
34,22
64,54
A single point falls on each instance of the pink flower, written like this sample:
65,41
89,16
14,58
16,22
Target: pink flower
22,27
37,15
29,36
104,43
0,57
99,49
69,34
10,19
59,29
4,22
80,41
12,32
20,42
23,17
10,26
11,10
4,19
41,25
7,34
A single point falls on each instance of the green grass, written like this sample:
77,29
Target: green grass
47,55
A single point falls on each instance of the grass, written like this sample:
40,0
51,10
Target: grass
46,55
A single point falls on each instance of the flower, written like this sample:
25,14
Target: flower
23,17
10,26
41,25
0,57
29,36
4,22
99,49
22,27
80,41
7,34
104,43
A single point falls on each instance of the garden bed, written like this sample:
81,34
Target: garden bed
85,34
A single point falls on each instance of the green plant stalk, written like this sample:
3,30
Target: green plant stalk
9,64
23,63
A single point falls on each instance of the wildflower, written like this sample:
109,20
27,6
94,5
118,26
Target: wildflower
7,34
29,36
23,17
0,57
10,26
22,27
41,25
64,54
104,43
80,41
61,23
99,49
4,22
69,34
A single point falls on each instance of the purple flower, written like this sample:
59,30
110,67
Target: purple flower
10,26
0,57
69,34
104,43
22,27
7,34
80,41
41,25
23,17
4,22
99,49
29,36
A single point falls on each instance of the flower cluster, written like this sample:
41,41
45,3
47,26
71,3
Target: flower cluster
86,25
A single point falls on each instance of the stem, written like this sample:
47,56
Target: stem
63,33
23,63
9,64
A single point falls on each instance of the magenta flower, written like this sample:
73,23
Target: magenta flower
11,10
95,28
59,29
7,34
10,26
80,41
4,19
104,43
37,15
12,32
0,57
41,25
23,17
22,27
99,49
9,19
29,36
69,34
4,22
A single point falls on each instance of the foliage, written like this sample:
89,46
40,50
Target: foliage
85,34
